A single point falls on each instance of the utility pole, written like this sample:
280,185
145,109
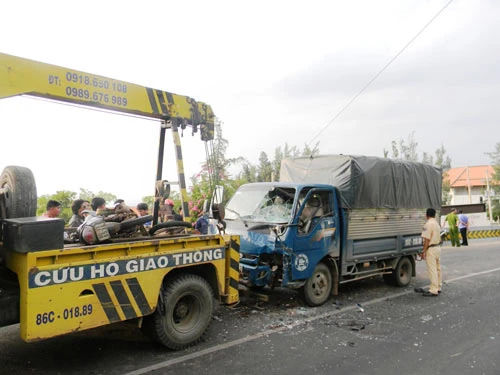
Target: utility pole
489,195
468,186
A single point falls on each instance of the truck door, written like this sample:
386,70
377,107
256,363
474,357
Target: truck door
316,233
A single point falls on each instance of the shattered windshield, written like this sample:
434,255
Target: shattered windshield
261,203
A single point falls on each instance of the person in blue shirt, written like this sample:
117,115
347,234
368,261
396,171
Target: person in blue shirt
463,225
201,224
143,210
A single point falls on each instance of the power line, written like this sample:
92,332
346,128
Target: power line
378,74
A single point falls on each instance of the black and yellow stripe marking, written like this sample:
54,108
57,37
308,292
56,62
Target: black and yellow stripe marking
478,234
106,303
233,255
180,169
159,101
126,306
139,296
152,101
123,300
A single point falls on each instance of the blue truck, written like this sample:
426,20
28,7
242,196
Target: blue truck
331,220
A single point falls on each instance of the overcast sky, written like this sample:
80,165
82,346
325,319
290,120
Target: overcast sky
274,72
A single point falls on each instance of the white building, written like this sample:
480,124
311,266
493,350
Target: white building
469,185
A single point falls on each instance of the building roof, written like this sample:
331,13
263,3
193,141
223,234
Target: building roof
475,176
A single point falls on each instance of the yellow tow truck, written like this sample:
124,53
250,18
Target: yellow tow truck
167,283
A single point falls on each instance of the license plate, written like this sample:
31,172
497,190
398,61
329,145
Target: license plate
102,232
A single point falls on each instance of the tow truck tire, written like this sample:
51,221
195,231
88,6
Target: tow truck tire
19,198
318,287
401,276
169,225
188,305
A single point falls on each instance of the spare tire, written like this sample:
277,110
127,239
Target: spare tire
17,193
168,225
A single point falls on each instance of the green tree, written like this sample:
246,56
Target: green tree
308,151
88,195
495,162
269,170
265,171
280,154
443,161
446,188
495,180
214,172
248,172
404,150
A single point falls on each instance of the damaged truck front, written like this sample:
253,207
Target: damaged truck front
331,220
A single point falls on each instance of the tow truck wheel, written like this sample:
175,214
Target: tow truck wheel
17,193
170,226
183,314
318,287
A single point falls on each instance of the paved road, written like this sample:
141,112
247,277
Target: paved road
395,331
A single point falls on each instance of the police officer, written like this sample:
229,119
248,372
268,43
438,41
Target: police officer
452,220
432,254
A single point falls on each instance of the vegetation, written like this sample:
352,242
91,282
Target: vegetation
495,162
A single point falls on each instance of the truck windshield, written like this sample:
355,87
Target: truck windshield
261,203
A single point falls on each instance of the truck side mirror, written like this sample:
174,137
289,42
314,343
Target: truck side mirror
206,206
218,211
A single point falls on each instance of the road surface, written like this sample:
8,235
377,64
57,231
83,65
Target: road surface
370,328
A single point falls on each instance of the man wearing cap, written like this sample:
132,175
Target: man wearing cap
432,254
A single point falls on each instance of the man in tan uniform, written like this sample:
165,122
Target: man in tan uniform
432,254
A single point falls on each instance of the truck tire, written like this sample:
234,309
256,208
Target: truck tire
401,275
18,198
184,315
318,287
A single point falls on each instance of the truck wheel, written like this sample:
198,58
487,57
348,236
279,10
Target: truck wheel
184,315
318,287
402,274
18,193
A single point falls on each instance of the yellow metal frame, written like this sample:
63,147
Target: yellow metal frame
20,76
78,288
70,290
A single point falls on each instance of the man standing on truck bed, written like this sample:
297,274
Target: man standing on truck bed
432,254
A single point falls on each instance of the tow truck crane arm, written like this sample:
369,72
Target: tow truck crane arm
20,76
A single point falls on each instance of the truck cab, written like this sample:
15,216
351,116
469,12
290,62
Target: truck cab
287,231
